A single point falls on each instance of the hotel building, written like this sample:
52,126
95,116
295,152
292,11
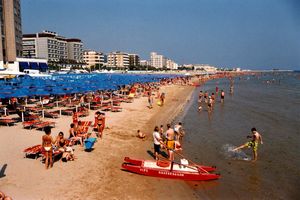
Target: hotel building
118,59
157,61
53,47
92,58
134,59
11,32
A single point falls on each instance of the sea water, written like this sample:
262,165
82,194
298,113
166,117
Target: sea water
269,102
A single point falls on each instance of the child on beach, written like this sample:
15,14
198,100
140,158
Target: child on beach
140,134
256,137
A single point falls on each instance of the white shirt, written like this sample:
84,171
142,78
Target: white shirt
156,138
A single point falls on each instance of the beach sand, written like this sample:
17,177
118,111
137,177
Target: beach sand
96,174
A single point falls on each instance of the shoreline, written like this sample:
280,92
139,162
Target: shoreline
98,172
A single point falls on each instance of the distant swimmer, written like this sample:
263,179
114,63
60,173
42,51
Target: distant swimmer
256,137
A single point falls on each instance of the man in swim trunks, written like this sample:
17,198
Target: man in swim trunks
170,135
256,137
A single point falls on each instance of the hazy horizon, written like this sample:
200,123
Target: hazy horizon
248,34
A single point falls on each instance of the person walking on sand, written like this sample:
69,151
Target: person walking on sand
47,142
256,137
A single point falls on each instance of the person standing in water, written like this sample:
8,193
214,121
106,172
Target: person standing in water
222,96
256,137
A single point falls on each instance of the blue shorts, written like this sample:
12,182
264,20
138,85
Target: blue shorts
157,148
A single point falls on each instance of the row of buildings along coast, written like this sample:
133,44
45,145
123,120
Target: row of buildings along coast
37,50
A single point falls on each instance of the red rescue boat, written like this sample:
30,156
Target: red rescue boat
166,169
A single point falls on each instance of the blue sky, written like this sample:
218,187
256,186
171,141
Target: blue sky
254,34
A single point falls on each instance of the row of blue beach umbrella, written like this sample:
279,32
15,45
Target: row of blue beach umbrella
71,83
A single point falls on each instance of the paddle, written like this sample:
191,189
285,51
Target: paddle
186,159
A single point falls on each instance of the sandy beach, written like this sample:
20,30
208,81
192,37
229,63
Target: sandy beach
96,174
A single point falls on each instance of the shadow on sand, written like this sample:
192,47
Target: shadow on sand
2,171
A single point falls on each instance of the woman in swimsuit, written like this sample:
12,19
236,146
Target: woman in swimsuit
47,142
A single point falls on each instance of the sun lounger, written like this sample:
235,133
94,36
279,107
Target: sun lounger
33,152
53,114
106,108
68,112
116,109
42,124
116,103
95,106
86,123
7,121
83,113
29,124
56,155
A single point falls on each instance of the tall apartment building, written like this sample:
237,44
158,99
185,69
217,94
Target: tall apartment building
118,59
156,60
11,31
92,58
134,59
75,49
53,47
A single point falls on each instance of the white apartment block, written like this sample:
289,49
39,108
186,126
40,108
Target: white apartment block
205,67
157,61
92,58
51,46
144,63
170,64
118,59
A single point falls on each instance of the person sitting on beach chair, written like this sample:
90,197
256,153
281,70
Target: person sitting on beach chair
62,145
73,135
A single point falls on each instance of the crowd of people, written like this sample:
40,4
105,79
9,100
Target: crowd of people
170,140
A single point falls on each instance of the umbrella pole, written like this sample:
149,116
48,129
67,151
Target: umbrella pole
22,116
43,113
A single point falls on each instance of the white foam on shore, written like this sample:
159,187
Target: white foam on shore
227,151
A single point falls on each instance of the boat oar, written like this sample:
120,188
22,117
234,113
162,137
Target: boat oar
191,161
186,159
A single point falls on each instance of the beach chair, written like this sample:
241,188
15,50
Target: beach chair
33,152
68,112
27,116
106,108
42,124
53,114
116,109
56,155
7,121
29,124
116,103
89,143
